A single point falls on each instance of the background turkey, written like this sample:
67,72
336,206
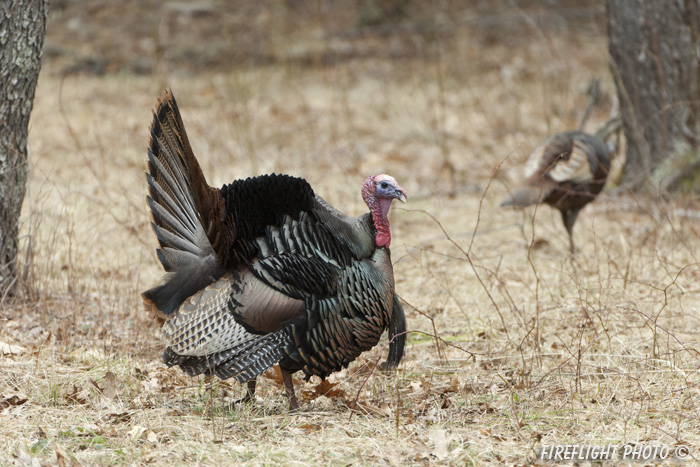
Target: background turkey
566,172
263,271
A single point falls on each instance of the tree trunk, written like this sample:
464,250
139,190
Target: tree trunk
22,30
654,50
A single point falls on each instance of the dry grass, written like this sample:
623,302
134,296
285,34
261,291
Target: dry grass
534,347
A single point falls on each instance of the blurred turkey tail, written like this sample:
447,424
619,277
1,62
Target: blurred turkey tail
606,132
397,334
609,127
525,196
184,211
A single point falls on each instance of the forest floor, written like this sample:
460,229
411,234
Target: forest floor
514,344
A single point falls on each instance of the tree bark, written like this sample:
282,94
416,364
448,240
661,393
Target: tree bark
22,30
654,47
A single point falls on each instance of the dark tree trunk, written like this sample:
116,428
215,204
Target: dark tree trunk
22,30
654,50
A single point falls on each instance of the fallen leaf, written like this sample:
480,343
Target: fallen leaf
118,417
110,385
274,374
441,443
385,409
455,384
136,432
446,402
309,427
14,399
9,349
63,459
325,388
77,395
40,433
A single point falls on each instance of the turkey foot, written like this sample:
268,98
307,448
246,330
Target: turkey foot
249,392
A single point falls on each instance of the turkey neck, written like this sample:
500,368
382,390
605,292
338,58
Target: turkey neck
380,209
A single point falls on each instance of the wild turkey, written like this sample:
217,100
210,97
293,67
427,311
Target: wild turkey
263,271
566,172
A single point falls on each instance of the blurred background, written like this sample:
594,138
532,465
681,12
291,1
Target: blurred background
449,97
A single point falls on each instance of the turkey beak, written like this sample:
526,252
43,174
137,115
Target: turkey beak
400,194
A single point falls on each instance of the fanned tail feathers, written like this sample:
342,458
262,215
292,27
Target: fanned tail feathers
184,209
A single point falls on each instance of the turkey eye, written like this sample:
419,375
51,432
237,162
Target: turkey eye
384,185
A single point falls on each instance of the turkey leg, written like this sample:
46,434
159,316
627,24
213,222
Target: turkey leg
569,217
289,389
